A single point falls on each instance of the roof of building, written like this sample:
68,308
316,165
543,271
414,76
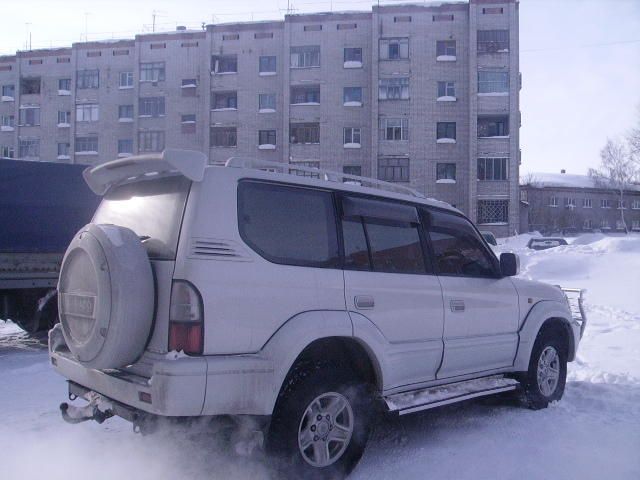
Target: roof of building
563,180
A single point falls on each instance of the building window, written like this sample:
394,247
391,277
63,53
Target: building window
620,205
120,52
125,112
312,28
346,26
635,225
305,95
125,146
446,90
445,49
493,212
352,170
587,225
635,205
151,107
188,123
304,57
570,202
605,203
267,138
394,128
494,126
493,169
7,121
586,203
445,172
493,41
267,102
150,141
30,86
64,118
88,112
87,144
393,88
353,56
302,173
86,79
393,169
304,133
267,64
29,116
351,136
352,96
492,10
224,101
64,84
7,151
446,132
188,87
394,48
442,18
261,35
553,202
126,80
223,136
63,150
231,36
8,92
523,195
152,72
604,223
29,148
493,82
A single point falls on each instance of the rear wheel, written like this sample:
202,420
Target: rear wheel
545,379
321,423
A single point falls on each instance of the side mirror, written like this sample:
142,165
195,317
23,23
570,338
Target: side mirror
509,264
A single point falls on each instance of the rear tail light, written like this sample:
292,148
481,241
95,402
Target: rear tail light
186,319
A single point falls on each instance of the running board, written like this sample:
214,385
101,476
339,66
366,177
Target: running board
432,397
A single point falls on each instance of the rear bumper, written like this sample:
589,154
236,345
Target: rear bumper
186,386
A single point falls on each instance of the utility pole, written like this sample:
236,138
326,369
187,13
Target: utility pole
27,41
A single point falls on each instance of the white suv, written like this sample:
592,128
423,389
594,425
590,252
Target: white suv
308,297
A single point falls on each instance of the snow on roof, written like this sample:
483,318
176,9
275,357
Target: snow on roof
543,180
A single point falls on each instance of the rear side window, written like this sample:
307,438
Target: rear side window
457,248
288,225
375,240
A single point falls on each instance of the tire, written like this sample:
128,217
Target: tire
106,296
545,380
305,401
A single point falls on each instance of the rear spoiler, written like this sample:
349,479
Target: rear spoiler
189,163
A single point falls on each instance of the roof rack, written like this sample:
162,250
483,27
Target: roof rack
328,175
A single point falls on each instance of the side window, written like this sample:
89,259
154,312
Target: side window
381,236
288,225
457,248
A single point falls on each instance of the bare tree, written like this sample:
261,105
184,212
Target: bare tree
617,171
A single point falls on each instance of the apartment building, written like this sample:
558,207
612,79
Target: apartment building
423,95
557,202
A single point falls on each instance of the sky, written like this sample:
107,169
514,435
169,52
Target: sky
580,59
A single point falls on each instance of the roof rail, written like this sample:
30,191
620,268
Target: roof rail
102,177
328,175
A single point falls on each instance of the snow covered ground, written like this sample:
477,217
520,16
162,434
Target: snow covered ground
593,433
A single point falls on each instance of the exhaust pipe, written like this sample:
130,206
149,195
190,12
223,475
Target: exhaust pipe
73,415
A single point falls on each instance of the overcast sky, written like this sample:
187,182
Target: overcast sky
580,59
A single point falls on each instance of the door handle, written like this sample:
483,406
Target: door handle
457,305
364,301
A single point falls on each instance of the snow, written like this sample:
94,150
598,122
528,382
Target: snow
266,110
446,180
592,433
446,140
306,103
7,98
352,104
125,120
225,109
446,98
64,93
538,179
6,128
267,74
267,146
64,125
446,58
352,145
493,94
352,64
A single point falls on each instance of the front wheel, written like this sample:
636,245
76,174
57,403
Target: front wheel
545,380
321,423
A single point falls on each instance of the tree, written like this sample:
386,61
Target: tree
618,169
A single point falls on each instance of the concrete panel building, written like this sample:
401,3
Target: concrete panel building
423,95
561,202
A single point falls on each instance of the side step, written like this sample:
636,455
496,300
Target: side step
432,397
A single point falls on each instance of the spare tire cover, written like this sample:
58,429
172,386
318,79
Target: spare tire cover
106,296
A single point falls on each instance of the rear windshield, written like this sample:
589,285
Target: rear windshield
152,209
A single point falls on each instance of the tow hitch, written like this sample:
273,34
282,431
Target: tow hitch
97,409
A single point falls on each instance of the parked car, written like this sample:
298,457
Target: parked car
42,206
544,243
489,237
203,290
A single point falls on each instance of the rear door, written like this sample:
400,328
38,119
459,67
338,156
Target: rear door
388,281
480,306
